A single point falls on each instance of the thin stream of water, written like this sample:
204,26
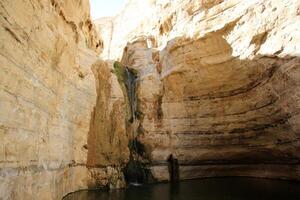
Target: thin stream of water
131,84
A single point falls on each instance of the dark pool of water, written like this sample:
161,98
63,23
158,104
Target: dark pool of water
202,189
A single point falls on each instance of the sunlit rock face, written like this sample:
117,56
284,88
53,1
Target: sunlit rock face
219,84
107,139
105,26
48,92
218,89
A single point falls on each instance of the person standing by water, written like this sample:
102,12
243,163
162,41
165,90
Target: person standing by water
173,168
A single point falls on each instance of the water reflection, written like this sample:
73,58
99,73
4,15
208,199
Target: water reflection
204,189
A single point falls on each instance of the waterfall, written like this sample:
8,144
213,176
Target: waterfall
134,170
131,82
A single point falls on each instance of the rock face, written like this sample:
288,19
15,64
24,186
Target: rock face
48,92
107,139
106,27
218,89
219,84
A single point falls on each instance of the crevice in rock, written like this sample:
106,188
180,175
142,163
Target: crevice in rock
13,34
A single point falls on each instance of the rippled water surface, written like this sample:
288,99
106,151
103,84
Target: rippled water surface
202,189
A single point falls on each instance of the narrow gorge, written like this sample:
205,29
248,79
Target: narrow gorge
165,90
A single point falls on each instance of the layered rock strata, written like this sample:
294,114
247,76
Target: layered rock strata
107,138
48,92
218,89
219,84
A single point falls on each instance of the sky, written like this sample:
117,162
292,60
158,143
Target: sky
104,8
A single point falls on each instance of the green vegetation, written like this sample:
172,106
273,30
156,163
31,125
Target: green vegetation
119,71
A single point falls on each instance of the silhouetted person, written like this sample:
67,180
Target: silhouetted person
173,168
176,170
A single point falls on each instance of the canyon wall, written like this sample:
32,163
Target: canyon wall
218,84
51,82
107,143
218,89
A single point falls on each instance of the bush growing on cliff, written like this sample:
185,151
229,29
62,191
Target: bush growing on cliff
119,72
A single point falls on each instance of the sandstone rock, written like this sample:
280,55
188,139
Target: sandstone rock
48,92
108,140
218,88
218,84
105,26
109,176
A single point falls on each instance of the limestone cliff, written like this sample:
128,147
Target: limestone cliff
107,138
48,92
218,88
219,84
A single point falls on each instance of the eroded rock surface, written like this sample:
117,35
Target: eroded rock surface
107,139
48,92
219,84
218,89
